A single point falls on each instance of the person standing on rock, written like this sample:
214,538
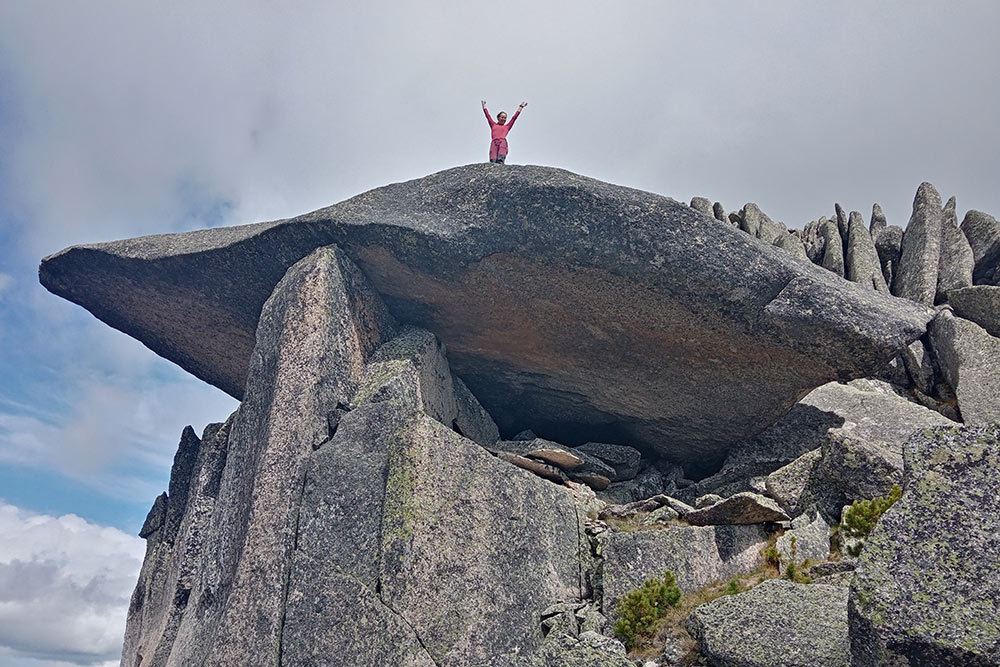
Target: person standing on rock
500,128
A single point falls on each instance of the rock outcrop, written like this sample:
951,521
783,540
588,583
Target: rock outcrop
582,310
925,591
969,358
916,276
697,555
775,624
370,504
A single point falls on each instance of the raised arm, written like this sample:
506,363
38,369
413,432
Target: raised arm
488,118
516,113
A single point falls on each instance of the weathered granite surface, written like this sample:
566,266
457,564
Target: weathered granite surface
969,359
697,555
316,331
927,587
983,233
979,304
530,276
916,276
775,624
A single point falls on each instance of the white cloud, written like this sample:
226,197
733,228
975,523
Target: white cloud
65,585
116,435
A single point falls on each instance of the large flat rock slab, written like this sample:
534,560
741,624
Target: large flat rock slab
580,309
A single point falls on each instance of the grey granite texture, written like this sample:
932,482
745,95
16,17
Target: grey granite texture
926,591
529,276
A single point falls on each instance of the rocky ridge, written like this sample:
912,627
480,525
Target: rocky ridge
370,504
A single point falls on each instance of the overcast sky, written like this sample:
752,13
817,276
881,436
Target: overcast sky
125,118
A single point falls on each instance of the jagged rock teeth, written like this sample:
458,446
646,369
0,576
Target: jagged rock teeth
862,262
957,262
983,233
916,276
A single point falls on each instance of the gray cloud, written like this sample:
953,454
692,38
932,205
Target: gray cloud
155,116
65,586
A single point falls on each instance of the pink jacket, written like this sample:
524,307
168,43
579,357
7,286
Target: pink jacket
500,131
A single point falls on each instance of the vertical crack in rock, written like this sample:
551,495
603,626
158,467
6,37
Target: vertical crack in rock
288,569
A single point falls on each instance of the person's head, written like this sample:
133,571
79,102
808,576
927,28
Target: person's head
502,117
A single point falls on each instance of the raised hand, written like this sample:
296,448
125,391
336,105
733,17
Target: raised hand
484,104
524,104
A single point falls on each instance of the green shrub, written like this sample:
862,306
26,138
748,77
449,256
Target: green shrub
793,571
640,610
771,556
862,515
733,587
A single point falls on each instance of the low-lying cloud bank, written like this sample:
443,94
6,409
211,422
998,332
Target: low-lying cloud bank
65,585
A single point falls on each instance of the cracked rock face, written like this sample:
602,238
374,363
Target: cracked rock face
381,538
582,310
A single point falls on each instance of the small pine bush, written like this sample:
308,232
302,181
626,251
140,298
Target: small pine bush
771,556
861,517
640,610
733,587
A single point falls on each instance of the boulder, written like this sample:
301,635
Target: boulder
789,485
837,573
843,223
927,586
703,206
956,262
622,458
920,366
916,276
979,304
969,358
595,481
833,247
646,484
814,241
878,222
546,450
660,516
766,230
861,468
983,234
704,321
697,555
775,624
792,244
719,212
739,509
707,500
876,415
888,240
800,431
540,468
808,539
590,649
862,262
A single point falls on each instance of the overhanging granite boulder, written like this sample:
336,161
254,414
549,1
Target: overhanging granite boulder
530,276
